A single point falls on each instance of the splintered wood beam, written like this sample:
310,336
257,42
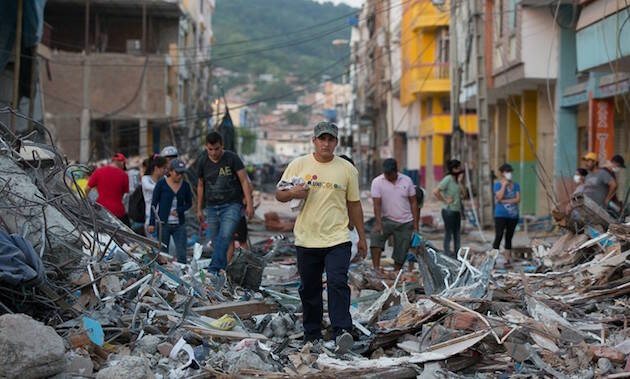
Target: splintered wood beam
244,309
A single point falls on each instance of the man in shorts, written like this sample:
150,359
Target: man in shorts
396,213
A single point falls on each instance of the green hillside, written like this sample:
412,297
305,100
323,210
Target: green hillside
283,21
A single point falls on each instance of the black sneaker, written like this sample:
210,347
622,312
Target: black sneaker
344,343
314,339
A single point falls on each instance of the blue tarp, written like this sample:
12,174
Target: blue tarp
32,26
19,264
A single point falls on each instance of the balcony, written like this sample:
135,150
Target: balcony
431,78
441,124
428,16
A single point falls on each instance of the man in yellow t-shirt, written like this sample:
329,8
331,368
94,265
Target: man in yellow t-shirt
322,238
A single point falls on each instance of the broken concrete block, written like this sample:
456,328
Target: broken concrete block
148,344
127,368
20,187
248,359
165,348
29,349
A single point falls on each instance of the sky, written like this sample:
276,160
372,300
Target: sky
353,3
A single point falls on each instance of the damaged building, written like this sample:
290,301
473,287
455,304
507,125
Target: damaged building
126,76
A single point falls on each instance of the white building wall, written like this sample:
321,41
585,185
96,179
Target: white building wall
537,41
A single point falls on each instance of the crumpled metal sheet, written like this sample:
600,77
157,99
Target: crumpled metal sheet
450,277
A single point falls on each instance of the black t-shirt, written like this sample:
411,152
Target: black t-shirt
221,184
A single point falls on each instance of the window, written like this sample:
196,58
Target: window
442,46
445,104
499,18
201,6
429,106
512,15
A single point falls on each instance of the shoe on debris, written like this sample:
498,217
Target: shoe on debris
342,344
217,279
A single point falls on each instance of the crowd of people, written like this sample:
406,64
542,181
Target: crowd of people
158,196
329,230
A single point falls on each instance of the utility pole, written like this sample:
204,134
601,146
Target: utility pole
16,64
143,149
456,77
84,146
485,190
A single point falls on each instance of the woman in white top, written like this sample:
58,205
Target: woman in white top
156,170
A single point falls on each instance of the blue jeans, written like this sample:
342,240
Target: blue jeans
178,232
222,221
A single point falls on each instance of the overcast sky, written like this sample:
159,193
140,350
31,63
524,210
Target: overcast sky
353,3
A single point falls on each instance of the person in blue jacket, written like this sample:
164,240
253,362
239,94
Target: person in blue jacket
507,196
172,197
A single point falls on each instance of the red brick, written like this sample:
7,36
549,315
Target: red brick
607,352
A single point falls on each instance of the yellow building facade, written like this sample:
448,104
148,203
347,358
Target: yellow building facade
426,79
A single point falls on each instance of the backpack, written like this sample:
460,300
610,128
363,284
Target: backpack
420,196
136,205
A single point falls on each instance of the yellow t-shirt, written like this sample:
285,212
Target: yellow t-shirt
323,221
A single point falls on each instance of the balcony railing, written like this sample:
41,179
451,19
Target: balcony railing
433,71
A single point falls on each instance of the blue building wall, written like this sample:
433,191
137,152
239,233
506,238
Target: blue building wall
604,41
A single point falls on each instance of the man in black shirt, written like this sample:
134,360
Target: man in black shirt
221,186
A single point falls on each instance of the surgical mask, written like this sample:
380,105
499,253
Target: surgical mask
507,175
616,169
577,178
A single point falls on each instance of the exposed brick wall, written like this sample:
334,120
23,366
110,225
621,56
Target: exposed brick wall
110,87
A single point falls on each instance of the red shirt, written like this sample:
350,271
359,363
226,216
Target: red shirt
112,183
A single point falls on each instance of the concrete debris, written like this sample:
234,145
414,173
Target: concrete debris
127,368
117,308
148,344
28,348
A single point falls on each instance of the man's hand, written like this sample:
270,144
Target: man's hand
299,191
249,209
151,229
362,248
200,217
378,228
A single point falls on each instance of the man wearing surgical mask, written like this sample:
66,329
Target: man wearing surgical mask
507,196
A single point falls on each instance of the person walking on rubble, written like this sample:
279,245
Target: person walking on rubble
172,197
157,168
450,191
111,183
322,240
221,187
395,211
507,196
599,185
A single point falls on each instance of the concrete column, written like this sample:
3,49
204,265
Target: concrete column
566,131
143,140
84,147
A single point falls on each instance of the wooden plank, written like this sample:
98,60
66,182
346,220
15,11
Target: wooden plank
231,335
244,309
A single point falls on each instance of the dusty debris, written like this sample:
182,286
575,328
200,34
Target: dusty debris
117,308
127,368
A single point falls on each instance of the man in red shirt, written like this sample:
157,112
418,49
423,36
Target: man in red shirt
112,183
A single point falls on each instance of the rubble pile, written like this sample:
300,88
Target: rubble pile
84,296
